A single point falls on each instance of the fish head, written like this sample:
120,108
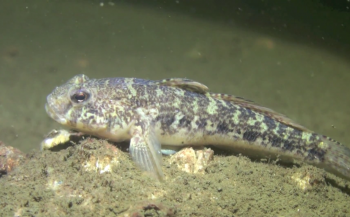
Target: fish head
92,106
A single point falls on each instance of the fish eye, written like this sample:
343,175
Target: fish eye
80,96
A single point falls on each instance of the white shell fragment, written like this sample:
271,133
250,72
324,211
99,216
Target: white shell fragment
54,138
192,161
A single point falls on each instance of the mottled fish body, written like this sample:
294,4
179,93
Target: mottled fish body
172,113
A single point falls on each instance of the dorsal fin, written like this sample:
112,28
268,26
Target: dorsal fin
260,109
185,84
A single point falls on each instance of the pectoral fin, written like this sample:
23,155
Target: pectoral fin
145,150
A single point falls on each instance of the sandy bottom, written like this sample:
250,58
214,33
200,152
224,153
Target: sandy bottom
44,43
94,178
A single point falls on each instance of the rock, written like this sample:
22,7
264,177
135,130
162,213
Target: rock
191,161
10,158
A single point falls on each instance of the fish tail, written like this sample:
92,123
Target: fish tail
336,158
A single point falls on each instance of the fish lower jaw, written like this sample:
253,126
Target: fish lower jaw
62,121
58,119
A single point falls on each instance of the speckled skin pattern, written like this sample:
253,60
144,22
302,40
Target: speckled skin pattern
174,113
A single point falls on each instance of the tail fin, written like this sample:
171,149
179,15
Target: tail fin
337,159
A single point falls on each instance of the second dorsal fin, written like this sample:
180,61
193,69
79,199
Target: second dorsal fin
185,84
260,109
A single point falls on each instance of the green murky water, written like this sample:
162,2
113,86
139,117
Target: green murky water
292,58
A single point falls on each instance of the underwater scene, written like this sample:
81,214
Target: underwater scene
174,108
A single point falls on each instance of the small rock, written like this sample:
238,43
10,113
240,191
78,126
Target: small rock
10,158
308,177
191,161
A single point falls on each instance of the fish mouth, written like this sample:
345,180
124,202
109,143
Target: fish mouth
51,112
